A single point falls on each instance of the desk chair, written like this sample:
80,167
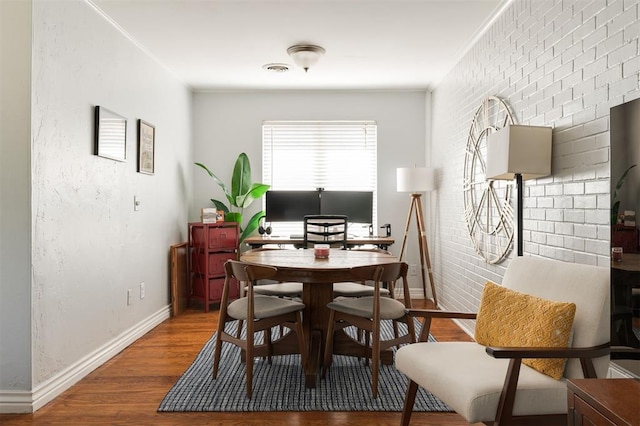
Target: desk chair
258,312
366,313
325,229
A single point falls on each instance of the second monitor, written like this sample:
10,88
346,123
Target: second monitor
356,205
292,206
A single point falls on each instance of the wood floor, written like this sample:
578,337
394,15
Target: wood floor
128,389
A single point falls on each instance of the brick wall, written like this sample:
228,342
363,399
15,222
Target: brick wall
562,64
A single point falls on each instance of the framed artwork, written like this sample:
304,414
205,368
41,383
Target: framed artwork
146,147
110,134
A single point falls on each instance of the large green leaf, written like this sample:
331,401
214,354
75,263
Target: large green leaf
252,225
241,178
215,178
220,206
257,190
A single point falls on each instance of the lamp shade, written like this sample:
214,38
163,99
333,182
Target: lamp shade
415,179
519,149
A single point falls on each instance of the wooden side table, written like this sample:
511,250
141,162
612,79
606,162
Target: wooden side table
603,402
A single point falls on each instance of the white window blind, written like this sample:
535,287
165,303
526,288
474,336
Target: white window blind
334,155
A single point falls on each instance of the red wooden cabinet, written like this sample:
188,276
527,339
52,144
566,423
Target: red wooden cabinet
210,246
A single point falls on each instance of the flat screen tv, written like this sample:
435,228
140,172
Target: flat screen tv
291,206
357,205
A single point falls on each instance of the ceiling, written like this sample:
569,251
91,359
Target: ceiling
370,44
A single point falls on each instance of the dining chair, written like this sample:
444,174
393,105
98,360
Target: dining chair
360,289
366,313
279,289
258,313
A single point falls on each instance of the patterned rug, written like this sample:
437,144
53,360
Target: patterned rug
280,386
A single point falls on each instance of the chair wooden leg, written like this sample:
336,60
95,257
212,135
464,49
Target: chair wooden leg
222,319
239,330
216,351
375,359
302,342
396,332
409,400
267,340
411,329
249,363
328,347
367,344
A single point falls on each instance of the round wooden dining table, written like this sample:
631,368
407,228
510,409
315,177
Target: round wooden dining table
317,277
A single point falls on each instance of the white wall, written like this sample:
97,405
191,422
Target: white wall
560,64
15,195
88,244
226,124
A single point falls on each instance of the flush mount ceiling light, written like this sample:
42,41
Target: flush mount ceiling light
305,55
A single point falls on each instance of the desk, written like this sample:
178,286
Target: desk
603,402
257,241
317,277
625,276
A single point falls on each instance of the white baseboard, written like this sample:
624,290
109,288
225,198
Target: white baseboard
30,401
415,293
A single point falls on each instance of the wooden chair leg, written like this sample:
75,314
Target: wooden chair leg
328,347
375,359
409,400
411,328
249,363
302,342
222,319
396,332
239,330
267,340
216,351
367,344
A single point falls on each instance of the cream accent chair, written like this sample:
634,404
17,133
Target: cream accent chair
485,384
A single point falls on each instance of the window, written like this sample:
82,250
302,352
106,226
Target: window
333,155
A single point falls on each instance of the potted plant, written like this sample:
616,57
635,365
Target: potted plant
240,196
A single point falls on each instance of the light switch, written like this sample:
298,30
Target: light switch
136,203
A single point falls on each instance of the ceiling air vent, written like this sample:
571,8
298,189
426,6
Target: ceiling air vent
276,67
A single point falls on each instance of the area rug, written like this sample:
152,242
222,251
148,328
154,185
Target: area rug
280,386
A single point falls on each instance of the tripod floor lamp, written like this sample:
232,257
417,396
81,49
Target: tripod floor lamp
417,180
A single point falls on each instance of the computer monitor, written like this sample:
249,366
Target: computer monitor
356,205
291,206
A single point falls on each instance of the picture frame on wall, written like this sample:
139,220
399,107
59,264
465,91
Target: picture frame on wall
110,136
146,147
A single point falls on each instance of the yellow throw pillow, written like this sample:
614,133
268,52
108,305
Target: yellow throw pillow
508,318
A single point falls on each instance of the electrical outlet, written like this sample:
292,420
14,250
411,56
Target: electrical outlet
413,269
129,297
141,290
136,203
